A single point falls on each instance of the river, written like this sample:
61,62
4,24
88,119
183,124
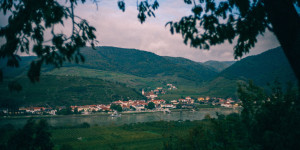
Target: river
106,120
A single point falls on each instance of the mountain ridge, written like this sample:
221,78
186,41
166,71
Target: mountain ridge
263,68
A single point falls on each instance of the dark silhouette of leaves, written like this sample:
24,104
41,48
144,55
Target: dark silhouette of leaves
28,20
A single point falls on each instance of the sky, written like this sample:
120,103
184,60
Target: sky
122,29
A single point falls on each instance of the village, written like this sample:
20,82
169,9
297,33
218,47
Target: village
152,104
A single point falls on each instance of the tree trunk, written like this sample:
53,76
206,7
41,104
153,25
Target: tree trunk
286,26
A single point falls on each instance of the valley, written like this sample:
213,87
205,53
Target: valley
111,74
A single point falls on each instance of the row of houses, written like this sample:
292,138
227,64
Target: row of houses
137,105
28,111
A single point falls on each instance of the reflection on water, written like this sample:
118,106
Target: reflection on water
105,120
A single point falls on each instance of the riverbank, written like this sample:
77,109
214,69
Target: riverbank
126,118
109,113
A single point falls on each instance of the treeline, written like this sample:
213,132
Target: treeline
267,121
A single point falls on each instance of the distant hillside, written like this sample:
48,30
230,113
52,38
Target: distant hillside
128,62
196,67
218,65
142,64
67,90
262,69
221,87
140,69
12,71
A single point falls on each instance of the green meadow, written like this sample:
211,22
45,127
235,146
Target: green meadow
151,135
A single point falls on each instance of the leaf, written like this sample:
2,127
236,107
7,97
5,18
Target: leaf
121,5
188,2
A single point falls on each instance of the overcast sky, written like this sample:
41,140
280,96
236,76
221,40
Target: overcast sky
115,28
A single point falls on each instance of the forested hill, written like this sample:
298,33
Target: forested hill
218,65
144,64
66,90
262,69
140,69
13,71
199,68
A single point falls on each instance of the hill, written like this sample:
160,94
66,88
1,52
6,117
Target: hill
218,65
67,90
140,63
262,69
196,67
144,70
21,70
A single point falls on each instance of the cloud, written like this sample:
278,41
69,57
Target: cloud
115,28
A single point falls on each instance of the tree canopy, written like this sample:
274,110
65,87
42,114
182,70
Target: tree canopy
151,105
213,22
116,107
27,23
34,135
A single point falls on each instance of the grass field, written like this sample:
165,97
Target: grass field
148,136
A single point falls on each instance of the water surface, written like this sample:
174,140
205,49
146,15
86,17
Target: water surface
106,120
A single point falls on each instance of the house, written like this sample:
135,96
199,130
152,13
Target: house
36,109
189,100
229,100
85,108
174,102
27,110
228,105
183,101
151,95
158,102
51,111
125,107
139,107
156,91
119,102
167,106
171,86
104,107
200,99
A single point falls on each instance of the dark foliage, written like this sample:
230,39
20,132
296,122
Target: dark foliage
267,121
33,136
145,8
272,120
85,125
116,107
66,147
213,23
66,111
150,105
29,19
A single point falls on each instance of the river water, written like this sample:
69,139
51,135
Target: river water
106,120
